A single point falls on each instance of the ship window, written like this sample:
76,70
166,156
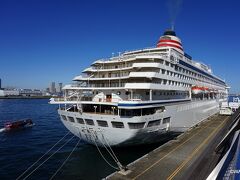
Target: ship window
102,123
166,120
117,124
154,123
71,119
89,122
136,125
80,120
64,118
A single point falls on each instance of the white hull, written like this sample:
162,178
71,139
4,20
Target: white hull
182,117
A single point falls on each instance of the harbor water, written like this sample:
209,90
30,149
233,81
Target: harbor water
19,149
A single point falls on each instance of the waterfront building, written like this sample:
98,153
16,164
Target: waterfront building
59,88
52,88
30,92
9,92
47,90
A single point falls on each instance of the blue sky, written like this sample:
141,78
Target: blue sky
54,40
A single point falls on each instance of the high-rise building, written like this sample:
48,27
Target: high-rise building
48,90
52,87
59,88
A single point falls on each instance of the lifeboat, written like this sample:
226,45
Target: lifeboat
18,124
205,89
197,90
200,90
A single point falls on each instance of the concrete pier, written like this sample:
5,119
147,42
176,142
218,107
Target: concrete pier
190,156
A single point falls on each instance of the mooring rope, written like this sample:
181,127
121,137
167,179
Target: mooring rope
42,156
112,155
65,160
94,139
116,159
104,157
48,158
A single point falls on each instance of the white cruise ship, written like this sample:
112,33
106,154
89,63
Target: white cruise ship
141,96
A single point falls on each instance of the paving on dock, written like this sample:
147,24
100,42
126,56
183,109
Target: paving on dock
190,156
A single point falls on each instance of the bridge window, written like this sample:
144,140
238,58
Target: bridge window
154,123
136,125
64,117
71,119
102,123
166,120
89,122
80,120
117,124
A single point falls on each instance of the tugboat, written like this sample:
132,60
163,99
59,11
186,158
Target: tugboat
18,124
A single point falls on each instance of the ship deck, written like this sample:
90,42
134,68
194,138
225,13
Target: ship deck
190,156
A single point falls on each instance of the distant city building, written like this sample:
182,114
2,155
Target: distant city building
9,92
52,88
0,83
47,90
59,88
30,92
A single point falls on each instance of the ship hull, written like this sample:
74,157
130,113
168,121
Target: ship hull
181,116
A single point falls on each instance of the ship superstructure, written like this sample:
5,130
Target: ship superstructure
140,96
